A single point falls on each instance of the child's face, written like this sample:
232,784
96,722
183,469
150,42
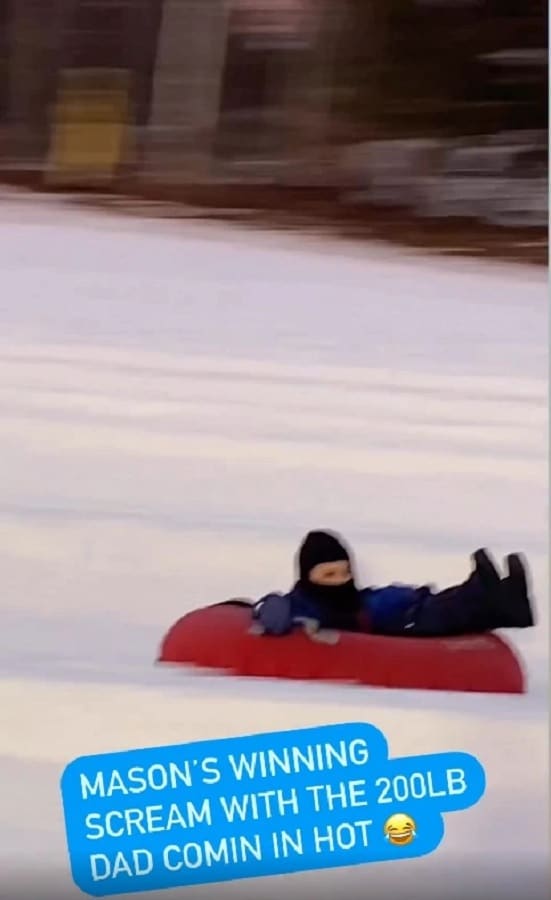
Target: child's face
332,574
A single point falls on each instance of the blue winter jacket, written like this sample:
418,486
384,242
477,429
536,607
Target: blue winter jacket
386,609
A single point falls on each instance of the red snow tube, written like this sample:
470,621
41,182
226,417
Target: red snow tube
219,637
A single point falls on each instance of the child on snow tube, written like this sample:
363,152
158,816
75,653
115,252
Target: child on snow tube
327,596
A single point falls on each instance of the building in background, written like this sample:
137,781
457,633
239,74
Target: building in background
288,91
236,86
79,76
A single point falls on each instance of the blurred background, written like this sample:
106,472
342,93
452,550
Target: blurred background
386,110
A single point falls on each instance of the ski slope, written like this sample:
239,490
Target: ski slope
178,405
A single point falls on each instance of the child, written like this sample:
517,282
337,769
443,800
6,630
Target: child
326,593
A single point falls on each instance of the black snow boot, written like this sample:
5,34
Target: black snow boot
515,604
486,572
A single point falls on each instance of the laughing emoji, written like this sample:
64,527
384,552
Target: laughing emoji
400,829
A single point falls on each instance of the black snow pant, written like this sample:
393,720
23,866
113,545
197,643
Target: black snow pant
466,608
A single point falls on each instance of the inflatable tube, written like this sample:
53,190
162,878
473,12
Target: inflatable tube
220,637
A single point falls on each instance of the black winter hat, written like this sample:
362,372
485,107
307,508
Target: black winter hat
320,547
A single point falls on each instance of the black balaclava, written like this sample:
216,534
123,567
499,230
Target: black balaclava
340,603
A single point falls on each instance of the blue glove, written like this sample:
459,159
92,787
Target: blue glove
274,614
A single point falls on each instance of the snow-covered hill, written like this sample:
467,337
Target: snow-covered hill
178,404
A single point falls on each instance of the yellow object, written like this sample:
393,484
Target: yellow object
400,829
89,131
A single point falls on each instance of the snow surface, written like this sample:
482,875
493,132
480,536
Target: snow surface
178,404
